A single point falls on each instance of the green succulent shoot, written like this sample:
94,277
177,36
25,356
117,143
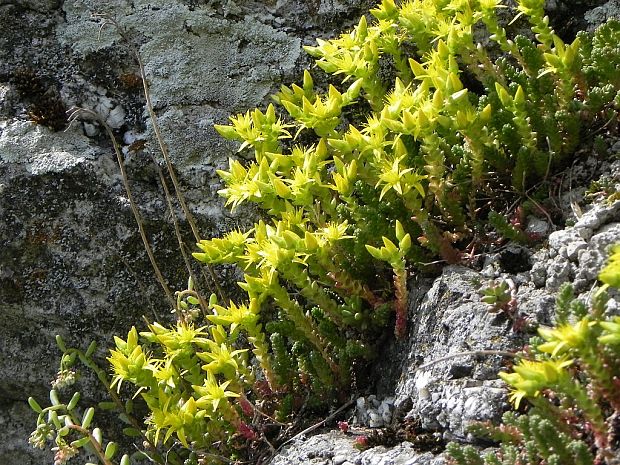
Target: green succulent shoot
610,274
396,257
497,295
530,378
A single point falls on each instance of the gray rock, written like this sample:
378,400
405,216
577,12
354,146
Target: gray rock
71,261
597,216
592,259
536,227
559,271
336,448
403,454
321,448
573,249
535,304
452,319
600,14
538,274
15,421
562,238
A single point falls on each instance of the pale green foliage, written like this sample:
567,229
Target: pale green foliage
68,425
498,296
185,397
610,275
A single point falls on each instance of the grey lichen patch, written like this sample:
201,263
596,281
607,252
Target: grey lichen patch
190,56
194,145
38,150
213,60
82,32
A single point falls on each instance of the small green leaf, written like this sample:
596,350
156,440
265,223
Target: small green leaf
193,300
125,460
132,432
110,450
88,417
34,405
228,132
375,252
91,349
503,95
400,231
53,417
390,247
54,397
405,243
73,402
60,343
97,435
106,405
459,95
80,442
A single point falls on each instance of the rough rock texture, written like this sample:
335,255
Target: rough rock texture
71,261
335,448
452,319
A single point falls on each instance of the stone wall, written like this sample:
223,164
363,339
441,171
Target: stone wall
71,260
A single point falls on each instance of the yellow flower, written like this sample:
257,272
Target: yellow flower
565,337
529,377
212,393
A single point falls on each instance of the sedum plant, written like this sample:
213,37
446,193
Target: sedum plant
397,163
70,427
569,377
424,127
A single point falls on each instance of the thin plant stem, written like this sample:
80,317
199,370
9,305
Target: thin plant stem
503,353
319,424
177,232
162,145
74,113
96,445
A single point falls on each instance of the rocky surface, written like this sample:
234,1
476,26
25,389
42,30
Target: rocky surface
71,261
336,448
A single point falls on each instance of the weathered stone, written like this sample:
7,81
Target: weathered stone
452,319
600,14
597,216
573,249
562,238
536,227
71,260
335,447
559,271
